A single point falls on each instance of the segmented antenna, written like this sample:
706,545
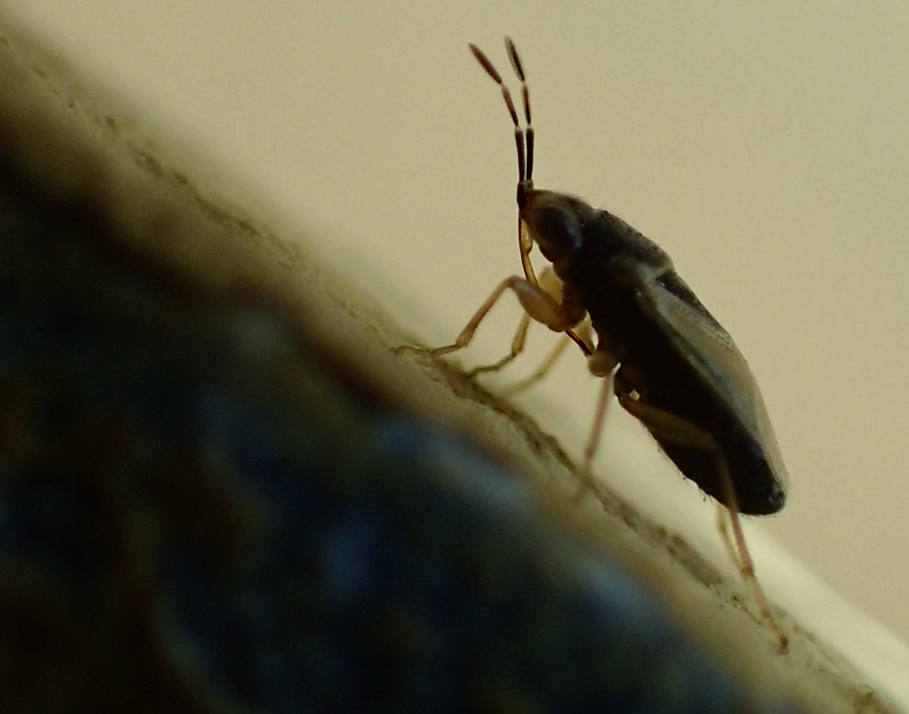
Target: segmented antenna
523,138
518,67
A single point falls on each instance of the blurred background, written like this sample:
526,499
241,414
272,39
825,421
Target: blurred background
763,145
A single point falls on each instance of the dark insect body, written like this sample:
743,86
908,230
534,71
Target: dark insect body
665,357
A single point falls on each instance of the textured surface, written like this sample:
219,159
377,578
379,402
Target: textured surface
195,516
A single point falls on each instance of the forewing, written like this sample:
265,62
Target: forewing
711,351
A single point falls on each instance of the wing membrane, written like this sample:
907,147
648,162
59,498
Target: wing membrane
710,349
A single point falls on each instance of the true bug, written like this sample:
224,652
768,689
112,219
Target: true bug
667,359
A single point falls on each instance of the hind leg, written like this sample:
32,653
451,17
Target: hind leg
673,428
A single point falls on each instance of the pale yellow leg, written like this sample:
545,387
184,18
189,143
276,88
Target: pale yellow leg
517,347
593,439
674,428
537,303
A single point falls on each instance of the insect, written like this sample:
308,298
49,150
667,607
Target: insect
670,364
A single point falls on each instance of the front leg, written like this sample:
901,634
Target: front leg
537,303
581,334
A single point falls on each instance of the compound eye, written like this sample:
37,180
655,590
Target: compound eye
555,228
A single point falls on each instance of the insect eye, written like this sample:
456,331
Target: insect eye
555,228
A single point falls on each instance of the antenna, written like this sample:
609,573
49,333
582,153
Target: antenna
523,138
518,67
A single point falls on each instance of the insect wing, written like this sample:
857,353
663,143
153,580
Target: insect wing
712,352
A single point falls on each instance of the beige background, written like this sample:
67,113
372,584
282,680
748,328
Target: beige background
765,147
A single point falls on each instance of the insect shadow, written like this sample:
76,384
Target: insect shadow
670,364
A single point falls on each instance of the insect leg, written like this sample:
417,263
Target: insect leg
550,282
517,346
593,440
542,370
537,303
673,428
722,525
746,568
